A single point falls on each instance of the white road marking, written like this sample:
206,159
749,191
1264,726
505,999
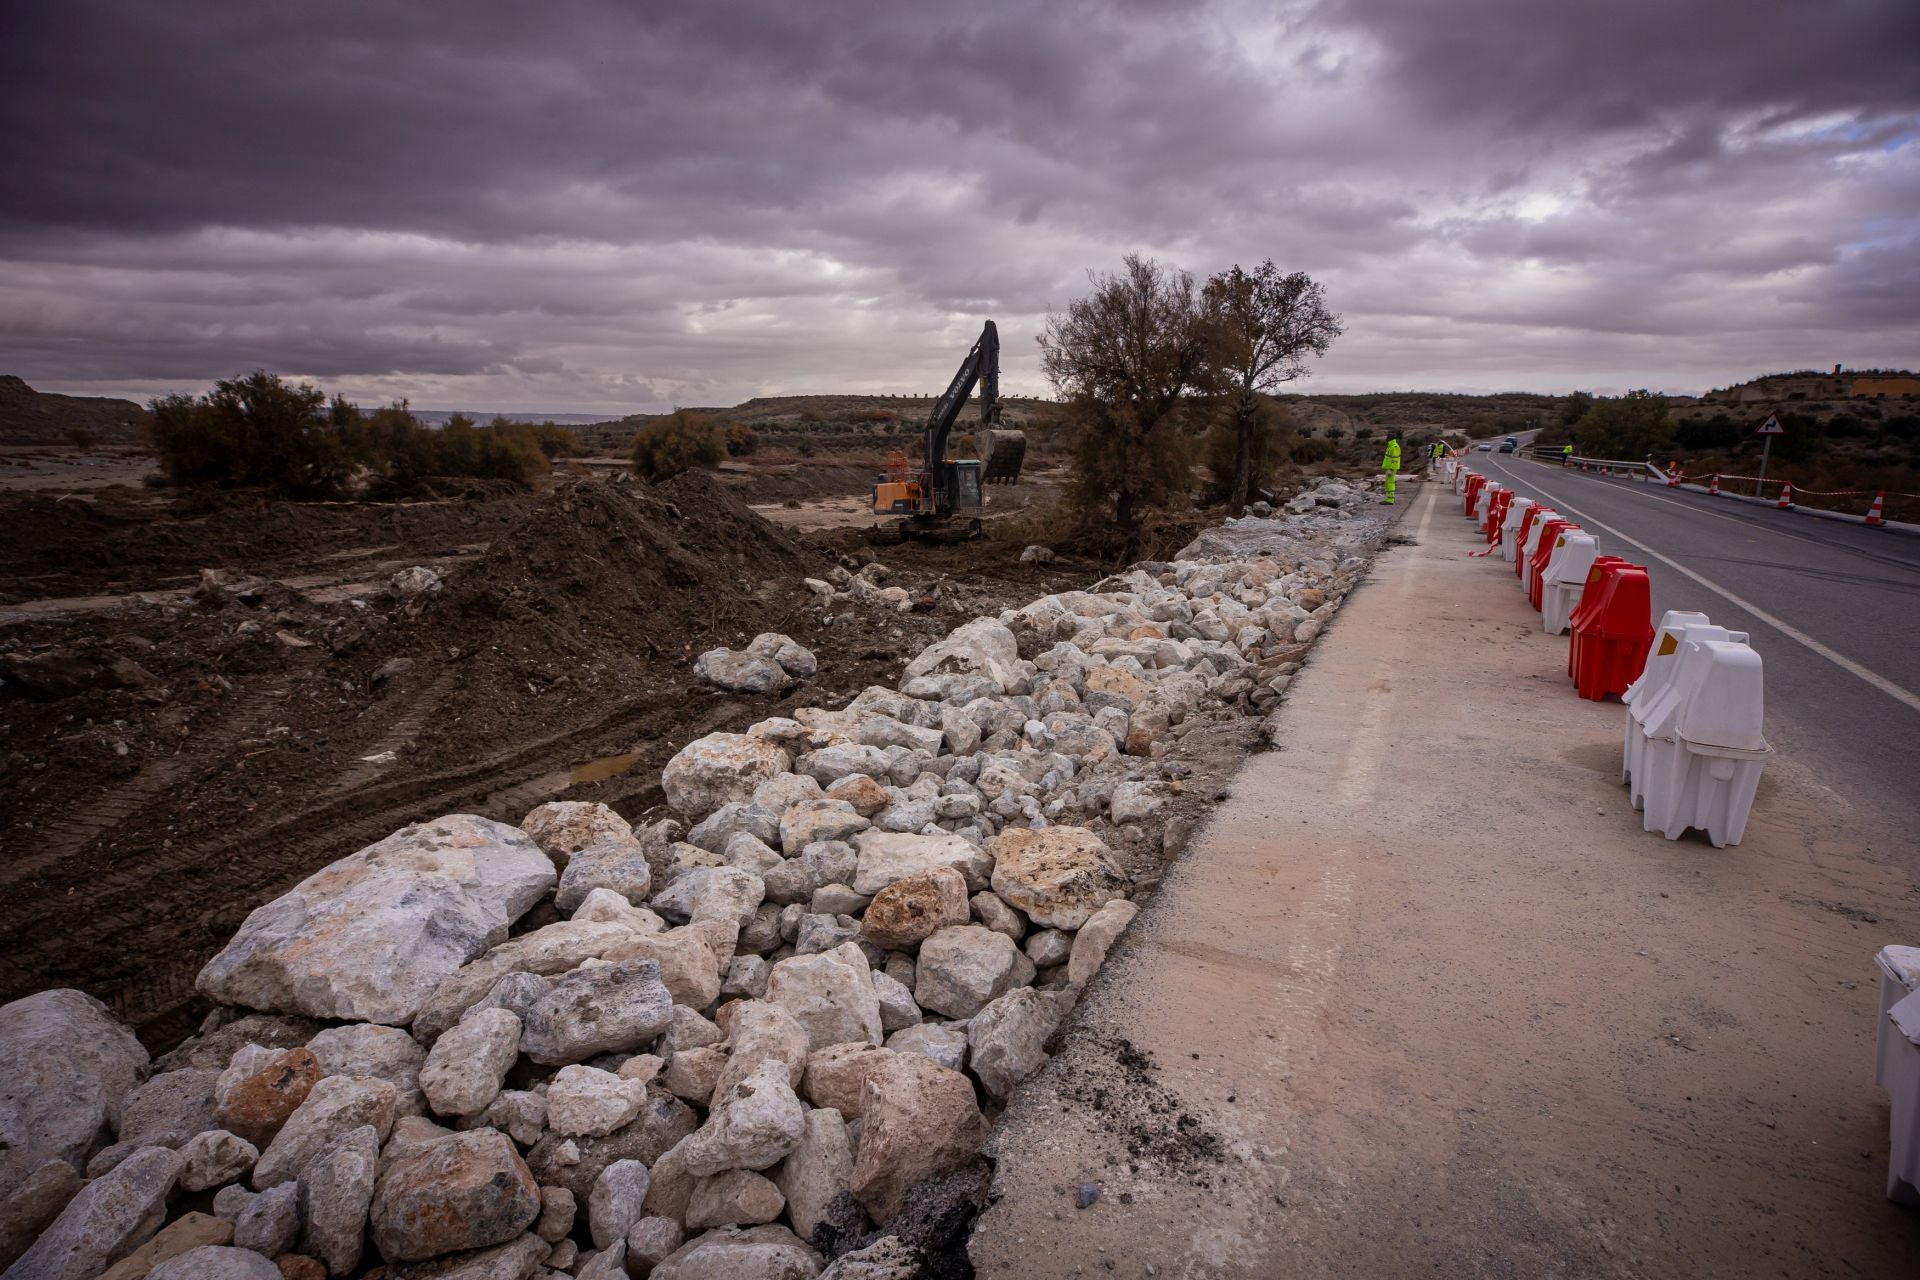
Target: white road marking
1786,629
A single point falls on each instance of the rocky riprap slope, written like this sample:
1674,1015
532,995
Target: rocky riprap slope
761,1038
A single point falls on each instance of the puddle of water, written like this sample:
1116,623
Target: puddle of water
602,769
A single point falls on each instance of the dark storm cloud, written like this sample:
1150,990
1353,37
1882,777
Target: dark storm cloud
574,204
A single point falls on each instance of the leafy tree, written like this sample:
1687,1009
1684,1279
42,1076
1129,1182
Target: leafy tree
1575,408
1260,327
678,442
1271,442
1631,426
1124,359
256,430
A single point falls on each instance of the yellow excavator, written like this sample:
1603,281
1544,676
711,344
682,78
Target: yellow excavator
942,499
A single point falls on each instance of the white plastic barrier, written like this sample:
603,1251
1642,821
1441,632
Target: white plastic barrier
1896,1068
1510,527
1535,532
1676,626
1565,578
1704,749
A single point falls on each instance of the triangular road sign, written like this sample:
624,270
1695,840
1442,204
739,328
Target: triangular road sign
1771,427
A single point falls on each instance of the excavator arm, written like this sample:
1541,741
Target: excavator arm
982,368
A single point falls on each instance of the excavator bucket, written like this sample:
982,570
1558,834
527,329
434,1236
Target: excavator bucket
1005,452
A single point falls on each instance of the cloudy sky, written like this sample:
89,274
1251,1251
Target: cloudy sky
606,207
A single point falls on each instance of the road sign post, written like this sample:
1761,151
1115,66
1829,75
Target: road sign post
1766,431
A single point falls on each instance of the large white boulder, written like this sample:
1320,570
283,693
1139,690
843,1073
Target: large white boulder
66,1065
962,967
368,938
721,768
830,993
887,856
983,647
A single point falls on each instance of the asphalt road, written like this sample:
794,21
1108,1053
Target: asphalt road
1833,609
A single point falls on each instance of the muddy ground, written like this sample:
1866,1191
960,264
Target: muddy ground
176,750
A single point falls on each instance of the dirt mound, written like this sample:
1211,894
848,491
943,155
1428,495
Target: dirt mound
604,563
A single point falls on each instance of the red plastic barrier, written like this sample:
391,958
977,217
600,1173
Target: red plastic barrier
1497,504
1537,566
1471,495
1616,636
1520,538
1604,567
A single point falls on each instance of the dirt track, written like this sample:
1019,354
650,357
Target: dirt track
147,810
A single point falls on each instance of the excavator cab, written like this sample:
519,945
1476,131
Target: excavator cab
943,498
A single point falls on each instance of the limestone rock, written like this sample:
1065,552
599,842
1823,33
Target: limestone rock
721,767
585,1101
563,828
368,938
689,969
1006,1041
887,856
1048,947
830,994
963,967
215,1158
262,1087
618,863
982,647
746,978
555,949
615,1204
1059,876
216,1262
941,1042
270,1223
794,658
692,1073
34,1205
740,672
762,1031
865,795
109,1218
651,1242
520,1113
188,1231
736,1198
1096,937
817,1171
596,1010
336,1190
753,1126
366,1049
464,1071
576,1163
837,1076
906,912
337,1105
169,1109
517,1259
606,906
735,1253
995,914
466,1192
831,763
65,1066
897,1008
558,1209
920,1119
813,820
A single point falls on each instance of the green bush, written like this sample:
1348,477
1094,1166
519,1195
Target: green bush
1220,445
1306,449
254,431
678,442
407,453
741,440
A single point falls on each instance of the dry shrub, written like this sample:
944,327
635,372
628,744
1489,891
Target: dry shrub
678,442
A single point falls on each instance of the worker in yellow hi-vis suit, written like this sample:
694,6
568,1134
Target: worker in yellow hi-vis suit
1391,465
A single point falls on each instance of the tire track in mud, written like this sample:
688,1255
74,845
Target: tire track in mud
164,912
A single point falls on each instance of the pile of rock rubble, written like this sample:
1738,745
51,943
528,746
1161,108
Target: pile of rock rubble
728,1043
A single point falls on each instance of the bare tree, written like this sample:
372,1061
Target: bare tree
1261,326
1124,358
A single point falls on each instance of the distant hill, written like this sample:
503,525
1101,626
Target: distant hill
42,417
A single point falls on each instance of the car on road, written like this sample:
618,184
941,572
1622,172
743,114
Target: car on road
1509,444
1483,448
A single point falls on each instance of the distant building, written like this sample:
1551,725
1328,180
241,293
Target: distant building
1811,384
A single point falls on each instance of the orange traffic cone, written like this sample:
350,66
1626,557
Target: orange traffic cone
1713,488
1786,497
1874,513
